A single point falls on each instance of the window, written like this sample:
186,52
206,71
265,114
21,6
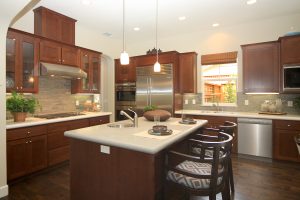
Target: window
219,80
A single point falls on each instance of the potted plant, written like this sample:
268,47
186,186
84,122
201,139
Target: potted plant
19,106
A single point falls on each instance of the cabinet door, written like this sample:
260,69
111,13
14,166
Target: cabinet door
95,67
11,61
70,56
261,67
188,72
284,145
29,64
125,73
52,26
18,158
86,67
38,152
290,50
50,52
67,31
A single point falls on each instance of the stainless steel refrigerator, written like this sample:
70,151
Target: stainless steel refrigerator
154,88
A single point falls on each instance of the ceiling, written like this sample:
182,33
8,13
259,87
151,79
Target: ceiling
105,16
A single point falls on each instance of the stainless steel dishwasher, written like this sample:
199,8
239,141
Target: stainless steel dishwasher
255,137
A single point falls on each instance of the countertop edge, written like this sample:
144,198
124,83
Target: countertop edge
49,121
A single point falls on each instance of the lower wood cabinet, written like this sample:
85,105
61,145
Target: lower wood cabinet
31,149
26,153
284,146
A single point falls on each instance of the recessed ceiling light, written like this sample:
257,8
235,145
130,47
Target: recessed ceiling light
86,2
250,2
136,28
215,25
107,34
181,18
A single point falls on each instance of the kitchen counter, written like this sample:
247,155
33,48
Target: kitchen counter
33,121
132,138
238,114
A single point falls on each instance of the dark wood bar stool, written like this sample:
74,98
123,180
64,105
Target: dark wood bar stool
229,128
201,175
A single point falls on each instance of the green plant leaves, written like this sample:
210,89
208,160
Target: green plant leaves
18,103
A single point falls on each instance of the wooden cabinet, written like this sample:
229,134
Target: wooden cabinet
125,73
99,120
26,151
188,72
58,144
284,146
21,62
91,64
53,25
261,67
53,52
290,50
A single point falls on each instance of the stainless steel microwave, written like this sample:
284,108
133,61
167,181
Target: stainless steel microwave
291,78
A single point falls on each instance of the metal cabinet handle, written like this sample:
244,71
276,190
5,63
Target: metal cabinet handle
63,60
21,88
30,141
288,125
26,142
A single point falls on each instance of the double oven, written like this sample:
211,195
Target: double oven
125,98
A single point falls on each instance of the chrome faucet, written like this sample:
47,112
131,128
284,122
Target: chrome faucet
217,106
134,119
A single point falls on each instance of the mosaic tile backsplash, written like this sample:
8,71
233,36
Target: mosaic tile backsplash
255,102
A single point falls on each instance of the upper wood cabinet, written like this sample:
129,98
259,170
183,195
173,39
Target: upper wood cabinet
53,52
91,64
125,73
188,72
290,50
53,25
21,62
261,67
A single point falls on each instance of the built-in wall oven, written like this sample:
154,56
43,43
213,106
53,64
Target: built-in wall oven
291,78
125,98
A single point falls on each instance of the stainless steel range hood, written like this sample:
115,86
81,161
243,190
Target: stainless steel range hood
64,71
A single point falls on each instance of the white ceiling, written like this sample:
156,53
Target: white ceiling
106,15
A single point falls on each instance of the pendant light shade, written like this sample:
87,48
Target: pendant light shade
156,65
124,57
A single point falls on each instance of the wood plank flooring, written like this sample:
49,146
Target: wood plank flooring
254,180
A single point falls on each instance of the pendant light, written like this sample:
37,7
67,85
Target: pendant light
156,65
124,55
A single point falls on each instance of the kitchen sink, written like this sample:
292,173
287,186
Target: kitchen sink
120,125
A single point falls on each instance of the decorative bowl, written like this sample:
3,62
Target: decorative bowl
163,114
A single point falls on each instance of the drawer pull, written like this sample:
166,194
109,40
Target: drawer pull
26,142
30,141
288,125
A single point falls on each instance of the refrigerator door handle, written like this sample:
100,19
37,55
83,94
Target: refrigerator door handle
150,90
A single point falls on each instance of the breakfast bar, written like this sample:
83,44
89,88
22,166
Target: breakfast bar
122,163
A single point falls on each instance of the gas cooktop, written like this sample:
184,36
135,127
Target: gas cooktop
58,115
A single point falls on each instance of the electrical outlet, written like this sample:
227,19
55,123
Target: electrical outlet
246,102
194,101
186,101
104,149
290,103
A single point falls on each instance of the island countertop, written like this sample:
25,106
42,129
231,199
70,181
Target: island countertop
136,138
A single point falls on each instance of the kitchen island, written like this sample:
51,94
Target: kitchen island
122,163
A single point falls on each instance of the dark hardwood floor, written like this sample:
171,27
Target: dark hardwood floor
254,180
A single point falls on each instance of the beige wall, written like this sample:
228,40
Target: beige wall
8,10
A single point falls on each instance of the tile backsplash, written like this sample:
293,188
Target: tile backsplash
255,102
55,96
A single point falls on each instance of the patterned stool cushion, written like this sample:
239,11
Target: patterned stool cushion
193,168
208,152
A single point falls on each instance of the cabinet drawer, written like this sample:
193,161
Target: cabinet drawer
76,124
19,133
60,126
99,120
287,124
58,155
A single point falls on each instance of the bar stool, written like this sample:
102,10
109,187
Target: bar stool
201,175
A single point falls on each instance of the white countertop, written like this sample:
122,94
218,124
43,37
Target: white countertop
238,114
32,121
128,137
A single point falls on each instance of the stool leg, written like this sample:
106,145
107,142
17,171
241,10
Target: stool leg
231,176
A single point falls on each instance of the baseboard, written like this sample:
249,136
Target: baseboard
3,191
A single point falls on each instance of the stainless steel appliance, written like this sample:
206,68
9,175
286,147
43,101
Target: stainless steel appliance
291,77
125,98
64,71
255,137
154,88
